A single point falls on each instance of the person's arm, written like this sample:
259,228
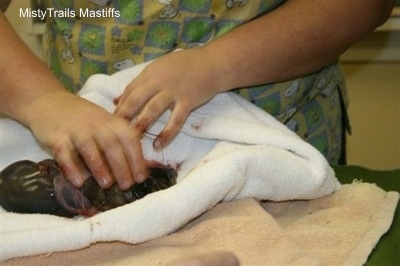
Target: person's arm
299,37
70,126
4,4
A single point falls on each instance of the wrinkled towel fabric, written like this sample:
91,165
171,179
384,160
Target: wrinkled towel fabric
339,229
228,149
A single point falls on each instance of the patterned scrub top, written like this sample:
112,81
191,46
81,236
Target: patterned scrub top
104,36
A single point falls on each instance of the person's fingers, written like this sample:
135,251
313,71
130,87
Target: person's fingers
134,154
125,156
71,165
116,101
129,103
93,158
175,123
152,110
114,156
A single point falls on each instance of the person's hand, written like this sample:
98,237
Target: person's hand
83,136
181,80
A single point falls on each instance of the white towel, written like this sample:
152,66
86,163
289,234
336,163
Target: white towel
228,149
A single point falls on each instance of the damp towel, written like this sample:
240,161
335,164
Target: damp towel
227,150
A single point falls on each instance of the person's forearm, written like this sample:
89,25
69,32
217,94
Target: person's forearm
298,38
83,137
23,77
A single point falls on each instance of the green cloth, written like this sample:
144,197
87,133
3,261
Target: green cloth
387,251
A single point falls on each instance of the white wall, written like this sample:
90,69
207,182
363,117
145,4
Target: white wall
374,112
372,69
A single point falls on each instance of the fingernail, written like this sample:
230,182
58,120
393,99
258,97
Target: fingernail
140,178
126,184
157,144
139,127
77,182
105,182
116,100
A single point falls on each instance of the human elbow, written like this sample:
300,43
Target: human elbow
383,12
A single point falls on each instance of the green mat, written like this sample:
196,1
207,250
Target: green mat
387,251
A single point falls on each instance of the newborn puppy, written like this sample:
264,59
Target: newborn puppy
29,187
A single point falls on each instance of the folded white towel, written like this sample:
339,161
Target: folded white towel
228,149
